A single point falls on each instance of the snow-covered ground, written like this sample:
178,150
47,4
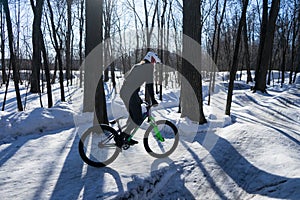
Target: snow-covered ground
254,154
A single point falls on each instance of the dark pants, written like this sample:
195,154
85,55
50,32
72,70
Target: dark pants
135,113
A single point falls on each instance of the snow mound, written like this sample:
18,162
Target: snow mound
38,120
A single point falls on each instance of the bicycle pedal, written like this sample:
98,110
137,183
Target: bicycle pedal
125,146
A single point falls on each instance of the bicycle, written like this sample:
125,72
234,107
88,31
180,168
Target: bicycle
97,146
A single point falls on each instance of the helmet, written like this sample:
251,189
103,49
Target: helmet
152,57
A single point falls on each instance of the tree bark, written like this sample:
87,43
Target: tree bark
247,54
296,24
234,66
191,95
94,95
81,23
266,44
47,72
68,40
57,48
36,44
12,54
3,65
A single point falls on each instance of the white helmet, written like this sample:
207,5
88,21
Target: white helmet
152,57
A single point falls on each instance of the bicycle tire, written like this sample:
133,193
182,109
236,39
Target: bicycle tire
170,135
91,149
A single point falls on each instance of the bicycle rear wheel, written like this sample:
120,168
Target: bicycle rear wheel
157,148
97,146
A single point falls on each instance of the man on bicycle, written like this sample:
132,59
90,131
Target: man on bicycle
139,74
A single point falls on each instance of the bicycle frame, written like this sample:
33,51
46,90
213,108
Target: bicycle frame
152,122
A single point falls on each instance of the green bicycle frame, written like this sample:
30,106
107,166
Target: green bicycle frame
155,128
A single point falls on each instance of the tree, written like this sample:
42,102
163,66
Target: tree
247,53
68,40
191,95
12,54
47,72
234,66
136,19
109,6
3,66
94,95
81,23
284,33
215,50
149,31
36,43
296,29
57,48
266,44
40,45
163,47
297,68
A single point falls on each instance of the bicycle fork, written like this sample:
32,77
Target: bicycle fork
156,130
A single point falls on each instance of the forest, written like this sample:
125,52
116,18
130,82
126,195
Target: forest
226,123
45,41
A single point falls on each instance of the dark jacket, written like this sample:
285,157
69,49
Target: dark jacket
137,76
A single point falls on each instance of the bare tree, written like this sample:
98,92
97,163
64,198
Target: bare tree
234,66
68,40
57,48
149,31
47,72
215,46
36,56
284,34
81,24
297,68
295,31
247,54
191,98
266,43
12,54
94,95
3,65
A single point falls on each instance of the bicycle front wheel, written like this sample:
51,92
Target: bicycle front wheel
97,146
156,147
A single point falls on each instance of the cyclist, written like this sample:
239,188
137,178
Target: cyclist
139,74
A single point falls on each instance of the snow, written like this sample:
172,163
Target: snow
253,154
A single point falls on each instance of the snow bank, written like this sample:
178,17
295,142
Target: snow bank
38,120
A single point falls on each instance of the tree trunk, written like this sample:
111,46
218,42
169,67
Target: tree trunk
283,61
296,24
149,31
234,66
191,95
3,65
68,41
55,70
297,70
58,53
12,54
266,44
94,95
81,23
36,44
215,48
247,54
47,72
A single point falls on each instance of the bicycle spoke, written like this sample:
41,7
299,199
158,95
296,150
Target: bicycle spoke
162,140
97,146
